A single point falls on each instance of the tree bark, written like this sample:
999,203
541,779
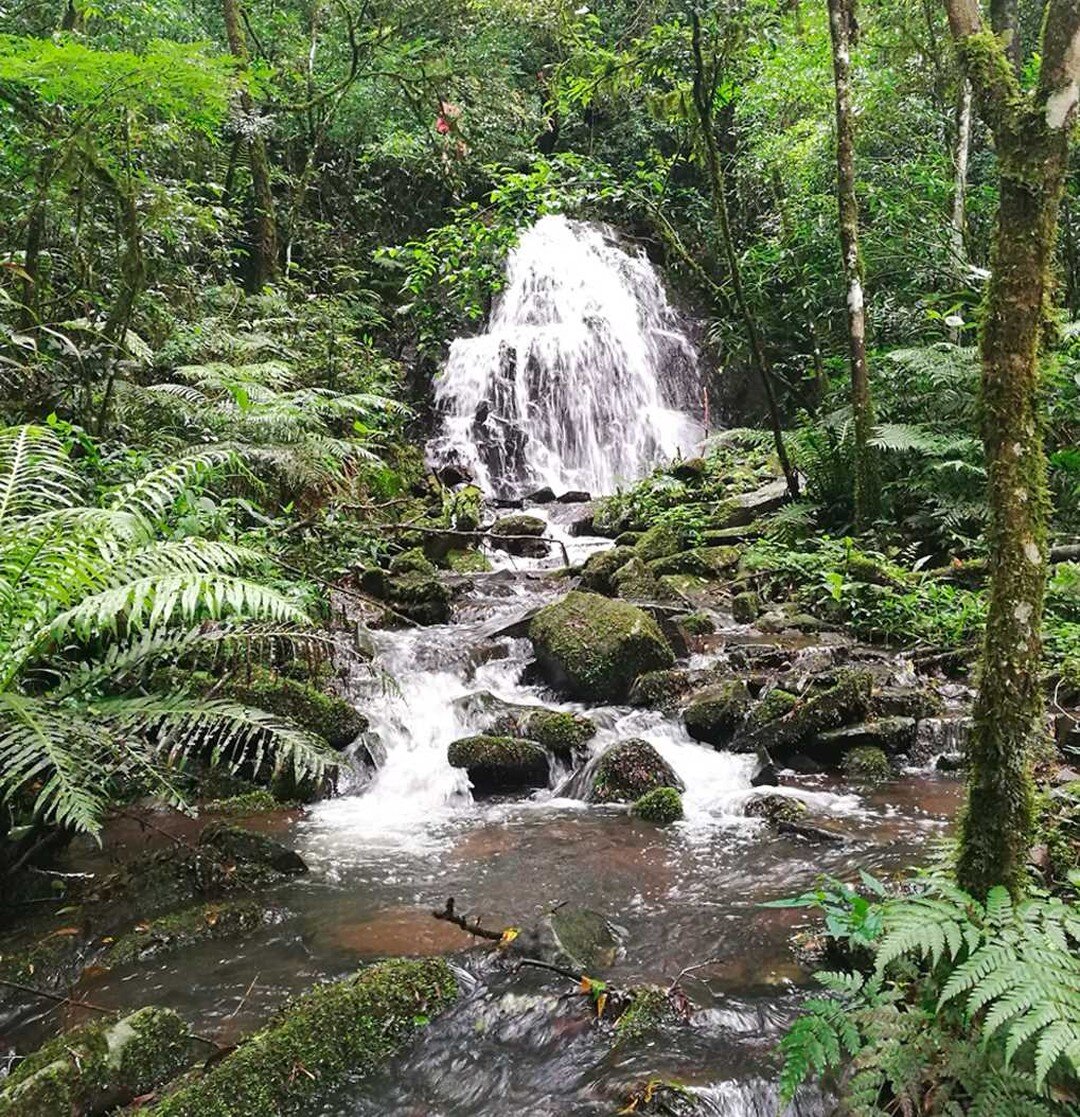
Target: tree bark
264,252
1031,138
703,96
841,20
958,221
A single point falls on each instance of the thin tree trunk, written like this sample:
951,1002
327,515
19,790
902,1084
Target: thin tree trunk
958,222
264,253
717,186
841,17
1031,138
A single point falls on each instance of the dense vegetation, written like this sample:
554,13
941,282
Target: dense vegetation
238,239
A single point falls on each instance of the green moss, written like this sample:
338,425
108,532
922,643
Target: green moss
420,597
169,933
867,765
775,808
697,624
560,731
628,770
500,763
256,801
98,1066
650,1008
662,805
716,713
660,689
775,704
745,607
344,1030
233,844
705,562
660,540
598,572
635,581
520,535
593,647
413,561
467,562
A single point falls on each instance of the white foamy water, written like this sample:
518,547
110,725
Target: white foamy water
583,379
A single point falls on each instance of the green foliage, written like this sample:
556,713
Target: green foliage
91,599
962,1007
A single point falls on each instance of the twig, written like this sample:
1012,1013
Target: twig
243,999
560,970
448,916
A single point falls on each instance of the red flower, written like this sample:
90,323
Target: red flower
442,125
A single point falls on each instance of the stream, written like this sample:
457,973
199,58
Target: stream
386,852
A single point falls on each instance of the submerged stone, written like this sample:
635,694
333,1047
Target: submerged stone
246,847
629,769
585,936
592,647
497,764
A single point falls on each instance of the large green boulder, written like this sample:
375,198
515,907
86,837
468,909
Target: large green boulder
715,714
497,764
599,570
660,540
560,731
636,582
704,562
592,647
338,1032
520,535
628,770
419,597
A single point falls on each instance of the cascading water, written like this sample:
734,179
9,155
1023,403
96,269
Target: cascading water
583,379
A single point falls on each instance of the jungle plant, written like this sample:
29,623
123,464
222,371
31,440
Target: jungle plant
92,600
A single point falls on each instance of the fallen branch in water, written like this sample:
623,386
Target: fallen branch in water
474,928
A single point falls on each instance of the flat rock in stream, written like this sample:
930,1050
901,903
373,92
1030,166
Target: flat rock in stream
497,764
586,937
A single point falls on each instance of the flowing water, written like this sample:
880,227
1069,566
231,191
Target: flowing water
390,850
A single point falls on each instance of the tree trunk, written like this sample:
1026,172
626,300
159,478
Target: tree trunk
717,187
958,221
841,18
264,253
1031,136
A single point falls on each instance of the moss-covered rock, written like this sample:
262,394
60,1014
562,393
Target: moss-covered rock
98,1066
201,923
913,702
584,937
344,1030
893,736
715,714
560,731
842,704
660,540
497,764
867,764
775,704
704,562
628,770
413,561
592,647
418,596
331,717
650,1008
467,561
520,535
696,624
245,847
636,582
600,568
662,805
745,607
256,801
774,808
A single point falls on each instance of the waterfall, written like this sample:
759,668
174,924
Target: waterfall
583,379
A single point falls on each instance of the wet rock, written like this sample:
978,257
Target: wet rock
98,1066
412,562
497,764
714,715
339,1031
842,704
866,764
660,540
467,561
520,535
815,835
775,704
743,509
545,495
248,848
628,538
583,525
650,1008
662,805
574,496
731,536
789,621
696,624
951,762
745,607
419,597
913,702
585,937
656,1098
636,582
775,808
559,731
599,569
891,735
629,769
662,690
703,562
592,647
765,772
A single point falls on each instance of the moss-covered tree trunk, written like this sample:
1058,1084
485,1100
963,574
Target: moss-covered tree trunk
264,250
1031,138
841,23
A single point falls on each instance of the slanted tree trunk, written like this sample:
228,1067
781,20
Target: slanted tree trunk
703,96
1031,138
264,252
841,23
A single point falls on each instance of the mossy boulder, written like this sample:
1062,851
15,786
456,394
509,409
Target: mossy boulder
703,562
775,704
913,702
599,569
413,561
716,713
98,1066
419,597
660,540
774,808
467,561
867,764
520,535
591,647
341,1031
844,703
696,624
496,764
177,930
585,937
248,848
628,770
331,717
635,581
650,1008
560,731
894,735
745,607
662,805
